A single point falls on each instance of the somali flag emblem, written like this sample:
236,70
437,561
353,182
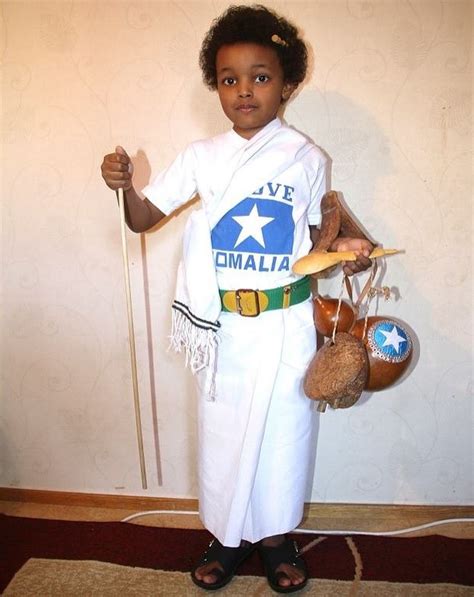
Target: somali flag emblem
389,341
256,226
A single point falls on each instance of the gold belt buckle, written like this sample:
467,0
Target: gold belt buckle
248,304
245,301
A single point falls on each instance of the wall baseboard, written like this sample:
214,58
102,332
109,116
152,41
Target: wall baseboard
96,500
382,518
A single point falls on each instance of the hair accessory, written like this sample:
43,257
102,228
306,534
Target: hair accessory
276,39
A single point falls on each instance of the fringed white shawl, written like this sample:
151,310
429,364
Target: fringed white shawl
197,305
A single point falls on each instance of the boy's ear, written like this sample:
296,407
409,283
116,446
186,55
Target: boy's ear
287,90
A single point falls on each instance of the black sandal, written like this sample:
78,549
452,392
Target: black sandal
229,558
285,553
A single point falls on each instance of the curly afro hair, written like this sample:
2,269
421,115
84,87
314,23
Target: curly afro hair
254,24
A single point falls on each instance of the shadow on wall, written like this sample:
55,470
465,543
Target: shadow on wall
142,169
350,135
360,156
339,127
368,178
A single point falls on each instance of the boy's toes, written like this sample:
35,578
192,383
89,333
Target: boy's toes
285,569
218,565
207,573
289,575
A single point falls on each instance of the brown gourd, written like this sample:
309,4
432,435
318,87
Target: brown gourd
325,314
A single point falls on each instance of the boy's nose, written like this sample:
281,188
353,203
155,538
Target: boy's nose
245,91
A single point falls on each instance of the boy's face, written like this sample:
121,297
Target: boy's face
250,86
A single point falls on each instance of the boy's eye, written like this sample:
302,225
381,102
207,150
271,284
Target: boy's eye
261,78
229,81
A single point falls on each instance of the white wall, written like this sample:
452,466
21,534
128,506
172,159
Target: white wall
389,99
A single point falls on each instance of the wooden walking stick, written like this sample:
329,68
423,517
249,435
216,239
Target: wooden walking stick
131,338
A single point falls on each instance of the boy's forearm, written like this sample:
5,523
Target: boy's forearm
140,214
315,233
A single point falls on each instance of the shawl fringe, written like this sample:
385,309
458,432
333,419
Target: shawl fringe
198,339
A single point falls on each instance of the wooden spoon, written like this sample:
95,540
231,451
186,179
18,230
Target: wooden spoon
317,261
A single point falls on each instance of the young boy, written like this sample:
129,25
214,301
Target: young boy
260,185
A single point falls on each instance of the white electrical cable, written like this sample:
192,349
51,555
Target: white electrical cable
385,533
327,531
151,512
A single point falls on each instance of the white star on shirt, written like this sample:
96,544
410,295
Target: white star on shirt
252,226
393,338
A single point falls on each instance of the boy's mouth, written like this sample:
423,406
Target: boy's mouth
245,108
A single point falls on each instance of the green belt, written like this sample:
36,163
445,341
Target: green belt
250,303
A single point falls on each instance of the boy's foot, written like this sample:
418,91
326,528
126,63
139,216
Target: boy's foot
285,569
218,564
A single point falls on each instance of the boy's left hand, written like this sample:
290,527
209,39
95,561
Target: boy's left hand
363,248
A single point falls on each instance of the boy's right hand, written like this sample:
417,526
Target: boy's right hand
117,170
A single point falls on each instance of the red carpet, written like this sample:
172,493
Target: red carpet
433,559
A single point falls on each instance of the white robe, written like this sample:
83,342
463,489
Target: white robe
255,438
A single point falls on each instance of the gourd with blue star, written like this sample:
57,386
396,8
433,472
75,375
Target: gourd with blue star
389,347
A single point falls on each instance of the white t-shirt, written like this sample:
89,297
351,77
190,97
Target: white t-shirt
264,231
